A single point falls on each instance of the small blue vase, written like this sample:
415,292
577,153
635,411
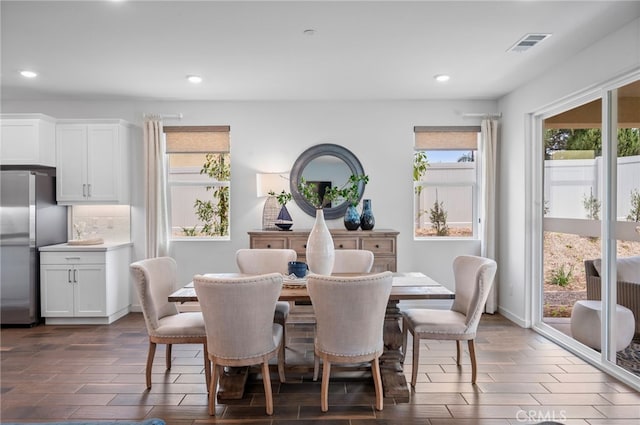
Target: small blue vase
351,218
367,220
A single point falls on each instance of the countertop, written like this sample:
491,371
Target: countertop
108,246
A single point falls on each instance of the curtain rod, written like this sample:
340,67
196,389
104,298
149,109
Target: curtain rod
481,114
177,116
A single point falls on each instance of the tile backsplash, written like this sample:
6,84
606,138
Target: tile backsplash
109,222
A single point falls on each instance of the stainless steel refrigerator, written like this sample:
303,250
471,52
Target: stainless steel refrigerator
29,219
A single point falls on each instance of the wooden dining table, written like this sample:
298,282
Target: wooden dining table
406,286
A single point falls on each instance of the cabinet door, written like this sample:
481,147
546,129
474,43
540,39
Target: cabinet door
56,287
90,290
103,168
71,154
27,142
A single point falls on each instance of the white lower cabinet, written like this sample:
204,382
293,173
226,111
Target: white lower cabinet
84,287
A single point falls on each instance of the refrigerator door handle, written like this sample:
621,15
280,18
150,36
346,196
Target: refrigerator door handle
89,190
84,190
69,275
75,275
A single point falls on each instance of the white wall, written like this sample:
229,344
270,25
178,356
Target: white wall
612,56
269,136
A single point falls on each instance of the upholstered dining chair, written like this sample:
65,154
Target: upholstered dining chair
473,279
350,320
155,279
348,261
353,261
263,261
238,315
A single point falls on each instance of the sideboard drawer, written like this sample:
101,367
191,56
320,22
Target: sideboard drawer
382,242
379,245
299,245
271,243
345,243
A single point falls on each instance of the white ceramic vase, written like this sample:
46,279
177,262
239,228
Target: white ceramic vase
320,250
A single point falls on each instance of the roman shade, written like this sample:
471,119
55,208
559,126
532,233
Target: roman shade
446,138
197,139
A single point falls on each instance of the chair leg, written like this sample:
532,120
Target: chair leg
458,352
324,387
150,356
281,362
207,365
472,354
377,382
316,367
266,379
168,356
416,359
212,389
284,340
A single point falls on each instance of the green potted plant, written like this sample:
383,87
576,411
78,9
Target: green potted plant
349,191
309,191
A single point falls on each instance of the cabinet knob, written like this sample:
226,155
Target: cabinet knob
268,245
304,246
377,246
340,246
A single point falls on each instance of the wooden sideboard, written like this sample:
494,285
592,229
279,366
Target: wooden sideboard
382,242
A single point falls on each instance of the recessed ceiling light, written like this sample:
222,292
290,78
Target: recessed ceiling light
28,74
441,78
195,79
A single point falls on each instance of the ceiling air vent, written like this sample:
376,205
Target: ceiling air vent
527,42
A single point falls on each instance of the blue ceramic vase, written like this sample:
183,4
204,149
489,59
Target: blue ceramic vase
367,220
351,218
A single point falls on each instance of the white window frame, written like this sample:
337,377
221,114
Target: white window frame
196,145
476,190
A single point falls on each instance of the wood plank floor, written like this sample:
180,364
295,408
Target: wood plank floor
97,372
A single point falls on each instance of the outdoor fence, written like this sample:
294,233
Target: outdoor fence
567,183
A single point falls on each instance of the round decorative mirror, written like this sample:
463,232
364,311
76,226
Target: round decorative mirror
327,165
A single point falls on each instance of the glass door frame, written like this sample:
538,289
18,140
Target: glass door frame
535,219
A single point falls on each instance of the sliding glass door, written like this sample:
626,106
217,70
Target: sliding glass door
589,232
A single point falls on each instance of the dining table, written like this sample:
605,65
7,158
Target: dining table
406,286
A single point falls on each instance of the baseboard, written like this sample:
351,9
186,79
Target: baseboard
513,317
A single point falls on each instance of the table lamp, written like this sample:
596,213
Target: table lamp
271,182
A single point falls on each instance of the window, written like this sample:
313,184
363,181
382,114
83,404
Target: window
446,176
199,175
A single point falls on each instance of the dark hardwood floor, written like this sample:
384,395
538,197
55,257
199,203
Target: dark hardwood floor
52,373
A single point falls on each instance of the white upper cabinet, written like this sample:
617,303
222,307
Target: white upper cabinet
27,139
93,162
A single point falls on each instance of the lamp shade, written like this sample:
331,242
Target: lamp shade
267,182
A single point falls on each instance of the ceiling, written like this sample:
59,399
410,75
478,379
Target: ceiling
361,50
